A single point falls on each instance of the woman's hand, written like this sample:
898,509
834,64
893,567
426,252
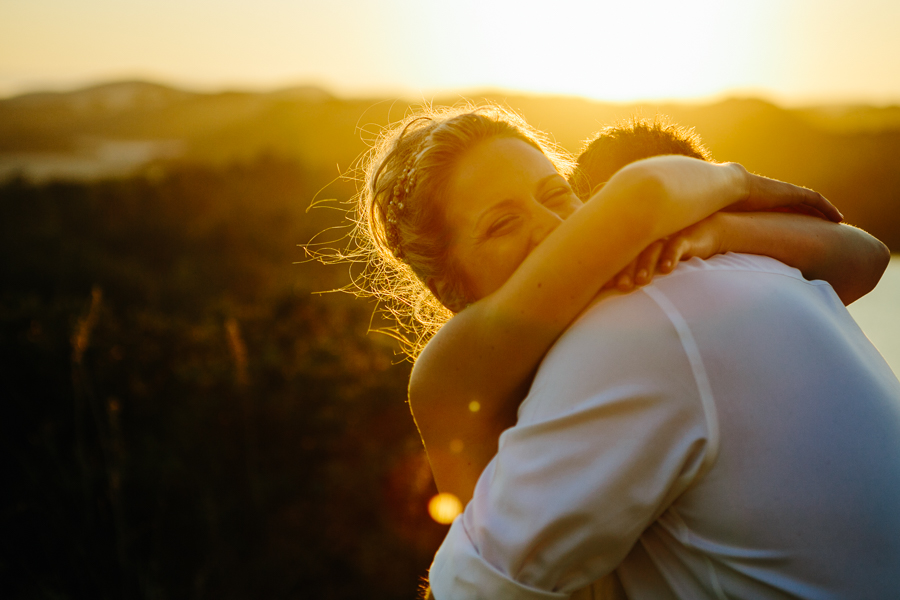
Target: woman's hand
641,270
701,240
766,194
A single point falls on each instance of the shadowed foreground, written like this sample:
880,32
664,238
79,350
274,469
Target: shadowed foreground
182,417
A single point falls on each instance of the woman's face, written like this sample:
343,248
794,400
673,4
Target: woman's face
503,199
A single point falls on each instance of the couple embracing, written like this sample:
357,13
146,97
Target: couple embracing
672,400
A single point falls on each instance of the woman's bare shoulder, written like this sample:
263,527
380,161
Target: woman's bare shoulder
439,367
481,354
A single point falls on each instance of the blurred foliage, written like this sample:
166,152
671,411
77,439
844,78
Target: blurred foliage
182,417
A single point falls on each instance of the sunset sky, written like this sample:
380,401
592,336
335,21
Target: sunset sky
793,51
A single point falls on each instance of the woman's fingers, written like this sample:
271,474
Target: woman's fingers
647,263
659,257
671,254
642,269
814,204
625,278
766,194
821,204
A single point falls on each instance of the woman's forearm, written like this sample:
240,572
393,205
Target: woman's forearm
850,259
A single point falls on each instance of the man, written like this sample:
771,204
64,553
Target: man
726,431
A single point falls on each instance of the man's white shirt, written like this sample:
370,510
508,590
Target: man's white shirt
725,432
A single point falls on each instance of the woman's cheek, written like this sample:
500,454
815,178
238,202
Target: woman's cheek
515,254
503,262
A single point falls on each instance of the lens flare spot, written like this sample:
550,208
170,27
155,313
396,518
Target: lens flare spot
474,406
443,508
456,446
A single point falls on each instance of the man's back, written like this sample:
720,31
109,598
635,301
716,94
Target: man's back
725,432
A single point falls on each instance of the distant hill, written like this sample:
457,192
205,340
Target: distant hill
851,154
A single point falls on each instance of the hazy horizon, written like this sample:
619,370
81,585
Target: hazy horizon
413,96
791,52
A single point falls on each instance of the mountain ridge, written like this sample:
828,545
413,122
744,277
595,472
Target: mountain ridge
849,153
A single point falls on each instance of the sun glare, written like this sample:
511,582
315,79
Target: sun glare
611,50
622,50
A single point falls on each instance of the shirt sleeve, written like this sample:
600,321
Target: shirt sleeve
618,423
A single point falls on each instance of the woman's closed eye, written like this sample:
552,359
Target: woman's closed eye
557,195
502,225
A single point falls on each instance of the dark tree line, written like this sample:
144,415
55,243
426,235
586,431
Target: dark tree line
182,418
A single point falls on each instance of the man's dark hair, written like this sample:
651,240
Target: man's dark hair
618,145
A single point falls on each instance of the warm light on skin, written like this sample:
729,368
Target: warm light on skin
443,508
503,199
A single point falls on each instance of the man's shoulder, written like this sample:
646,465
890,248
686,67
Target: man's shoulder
623,341
701,279
647,335
613,309
750,263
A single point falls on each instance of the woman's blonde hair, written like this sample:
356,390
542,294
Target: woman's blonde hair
399,228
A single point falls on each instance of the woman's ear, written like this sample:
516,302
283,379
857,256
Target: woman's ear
438,287
433,287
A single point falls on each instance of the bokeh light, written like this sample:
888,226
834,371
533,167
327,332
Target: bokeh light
443,508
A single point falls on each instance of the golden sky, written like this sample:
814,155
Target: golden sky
794,51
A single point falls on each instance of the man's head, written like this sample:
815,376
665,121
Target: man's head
618,145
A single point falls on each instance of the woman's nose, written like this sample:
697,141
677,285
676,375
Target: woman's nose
544,221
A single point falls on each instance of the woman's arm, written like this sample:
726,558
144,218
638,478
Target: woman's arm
468,382
850,259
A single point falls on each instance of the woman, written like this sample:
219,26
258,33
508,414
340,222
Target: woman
467,212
